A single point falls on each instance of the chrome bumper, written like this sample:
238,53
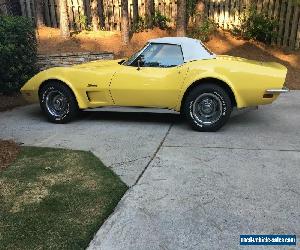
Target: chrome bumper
277,91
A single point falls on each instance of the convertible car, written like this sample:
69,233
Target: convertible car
176,73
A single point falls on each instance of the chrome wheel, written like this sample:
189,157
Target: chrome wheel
57,103
207,108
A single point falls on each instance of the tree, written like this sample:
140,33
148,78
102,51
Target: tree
181,22
95,15
64,21
39,13
195,11
149,13
101,14
199,11
125,22
135,12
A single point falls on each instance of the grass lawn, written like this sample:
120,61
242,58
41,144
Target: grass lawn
55,198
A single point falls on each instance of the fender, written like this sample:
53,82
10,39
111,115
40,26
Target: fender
64,75
196,76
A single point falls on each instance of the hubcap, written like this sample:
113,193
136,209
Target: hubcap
56,103
207,108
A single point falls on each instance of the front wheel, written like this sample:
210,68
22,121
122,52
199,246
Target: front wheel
207,107
58,102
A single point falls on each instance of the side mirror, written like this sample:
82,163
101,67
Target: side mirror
120,62
140,62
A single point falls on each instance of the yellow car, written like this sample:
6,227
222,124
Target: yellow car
176,73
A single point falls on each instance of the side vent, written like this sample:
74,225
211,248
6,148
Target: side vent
96,96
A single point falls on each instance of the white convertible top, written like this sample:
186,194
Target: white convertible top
192,49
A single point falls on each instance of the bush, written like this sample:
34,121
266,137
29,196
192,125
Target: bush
140,25
203,30
81,22
160,21
18,53
257,26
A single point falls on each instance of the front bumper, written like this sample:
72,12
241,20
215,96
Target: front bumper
277,91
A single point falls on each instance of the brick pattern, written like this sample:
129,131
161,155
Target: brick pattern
68,59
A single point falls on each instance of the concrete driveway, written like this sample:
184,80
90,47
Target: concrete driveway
189,190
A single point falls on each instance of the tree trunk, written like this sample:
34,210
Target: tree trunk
125,22
64,21
149,13
95,16
135,12
101,14
181,22
39,13
200,12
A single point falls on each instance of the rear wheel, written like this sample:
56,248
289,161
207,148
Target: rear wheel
58,102
207,107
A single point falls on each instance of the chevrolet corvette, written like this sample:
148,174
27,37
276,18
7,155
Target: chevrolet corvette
176,73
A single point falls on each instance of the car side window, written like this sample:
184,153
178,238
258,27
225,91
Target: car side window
160,55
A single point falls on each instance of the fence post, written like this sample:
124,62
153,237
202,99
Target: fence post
281,22
297,45
292,40
287,24
226,16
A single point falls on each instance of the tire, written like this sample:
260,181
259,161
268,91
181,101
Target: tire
58,102
207,107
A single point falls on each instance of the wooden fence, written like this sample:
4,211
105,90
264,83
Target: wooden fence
226,13
112,11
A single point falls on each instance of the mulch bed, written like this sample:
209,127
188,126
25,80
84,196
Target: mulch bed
8,102
8,153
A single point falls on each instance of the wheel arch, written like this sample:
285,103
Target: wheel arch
79,100
213,80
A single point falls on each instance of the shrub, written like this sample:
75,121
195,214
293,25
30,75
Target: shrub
140,25
160,21
81,22
203,30
257,26
18,53
191,7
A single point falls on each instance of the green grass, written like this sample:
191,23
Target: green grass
55,198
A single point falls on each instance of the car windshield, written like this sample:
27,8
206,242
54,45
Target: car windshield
157,55
207,49
131,59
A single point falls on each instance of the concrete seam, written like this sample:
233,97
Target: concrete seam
155,153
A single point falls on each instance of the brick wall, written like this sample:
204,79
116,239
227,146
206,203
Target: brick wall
67,59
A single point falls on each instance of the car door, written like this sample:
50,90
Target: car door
153,79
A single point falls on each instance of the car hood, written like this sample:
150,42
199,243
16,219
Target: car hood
98,64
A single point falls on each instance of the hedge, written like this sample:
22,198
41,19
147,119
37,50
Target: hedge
18,52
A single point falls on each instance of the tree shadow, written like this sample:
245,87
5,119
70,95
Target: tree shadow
130,116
